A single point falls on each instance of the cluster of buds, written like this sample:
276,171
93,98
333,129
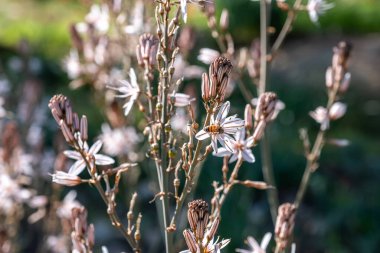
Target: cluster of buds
214,85
146,51
73,129
82,236
284,225
267,109
337,77
199,238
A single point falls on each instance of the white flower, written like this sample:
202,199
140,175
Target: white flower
220,127
184,10
320,115
211,247
99,17
317,8
80,164
180,99
67,179
240,148
68,203
137,25
72,64
207,55
254,246
129,90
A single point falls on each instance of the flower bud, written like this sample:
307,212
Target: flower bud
337,110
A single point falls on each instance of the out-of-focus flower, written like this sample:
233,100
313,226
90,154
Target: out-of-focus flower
183,69
80,164
68,203
136,25
11,193
128,89
254,245
219,128
317,8
179,120
180,99
320,115
207,55
337,110
115,144
239,147
99,17
72,64
284,225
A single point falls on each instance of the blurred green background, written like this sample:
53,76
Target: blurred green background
342,206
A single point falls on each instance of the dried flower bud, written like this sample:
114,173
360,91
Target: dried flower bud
64,178
345,83
341,54
266,107
337,110
214,227
329,78
248,117
258,133
146,50
224,20
284,224
197,215
256,184
190,240
84,128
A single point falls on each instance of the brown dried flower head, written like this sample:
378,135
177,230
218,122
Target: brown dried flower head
284,224
197,215
214,86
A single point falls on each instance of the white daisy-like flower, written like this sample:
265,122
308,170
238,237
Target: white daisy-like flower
254,245
317,8
128,89
220,127
210,246
80,164
240,147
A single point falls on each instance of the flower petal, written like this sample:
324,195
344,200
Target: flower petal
77,167
222,152
265,241
103,160
72,154
95,147
223,111
248,156
201,135
128,106
214,143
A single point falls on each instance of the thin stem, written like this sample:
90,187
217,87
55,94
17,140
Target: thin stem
267,167
292,13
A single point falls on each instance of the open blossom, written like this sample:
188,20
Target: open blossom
80,164
317,8
320,115
240,148
220,127
129,90
207,55
254,245
99,17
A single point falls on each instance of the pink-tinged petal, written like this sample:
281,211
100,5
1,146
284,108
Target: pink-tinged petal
249,142
103,160
77,167
233,158
95,147
223,111
254,245
72,154
227,142
243,251
214,144
222,152
240,135
248,156
265,241
132,76
202,135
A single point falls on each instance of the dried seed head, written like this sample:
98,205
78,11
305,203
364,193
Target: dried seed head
197,215
284,224
266,107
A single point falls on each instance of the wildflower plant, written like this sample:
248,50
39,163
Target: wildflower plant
150,96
